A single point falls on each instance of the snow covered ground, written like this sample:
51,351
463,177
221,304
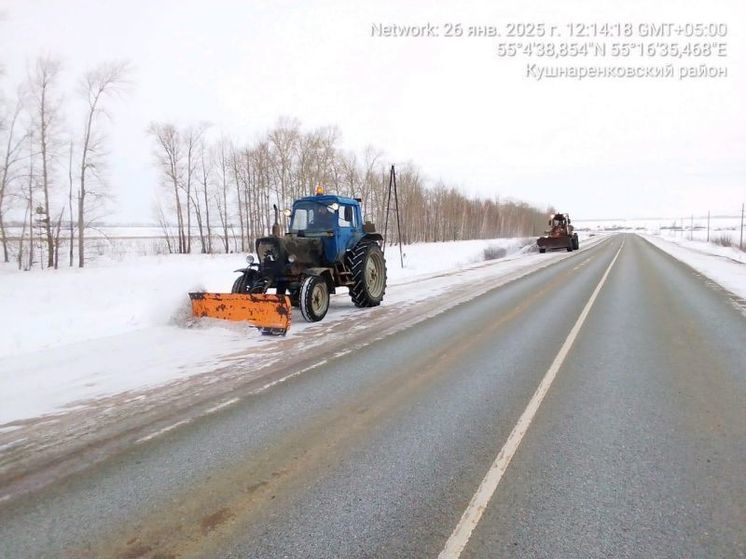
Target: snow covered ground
74,335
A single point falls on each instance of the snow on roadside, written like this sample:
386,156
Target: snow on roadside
58,307
73,335
724,265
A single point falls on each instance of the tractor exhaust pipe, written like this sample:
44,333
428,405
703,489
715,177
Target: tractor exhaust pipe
276,226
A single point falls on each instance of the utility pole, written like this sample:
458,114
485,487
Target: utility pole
392,185
740,243
708,226
691,229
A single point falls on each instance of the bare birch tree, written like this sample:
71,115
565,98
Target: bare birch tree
96,86
11,157
221,197
45,109
192,139
168,154
205,195
283,140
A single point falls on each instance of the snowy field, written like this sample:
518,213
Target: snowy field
679,229
72,335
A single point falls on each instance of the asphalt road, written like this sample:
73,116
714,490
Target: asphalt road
638,448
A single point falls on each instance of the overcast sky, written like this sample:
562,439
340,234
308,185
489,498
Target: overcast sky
595,148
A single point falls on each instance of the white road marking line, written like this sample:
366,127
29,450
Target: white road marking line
269,385
478,504
583,263
161,431
221,405
231,401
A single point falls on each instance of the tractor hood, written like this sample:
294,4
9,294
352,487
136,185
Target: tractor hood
307,251
280,251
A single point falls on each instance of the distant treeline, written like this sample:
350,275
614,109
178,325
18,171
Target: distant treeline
225,191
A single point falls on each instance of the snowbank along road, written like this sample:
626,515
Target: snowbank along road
593,408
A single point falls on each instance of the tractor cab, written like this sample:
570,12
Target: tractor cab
558,225
335,220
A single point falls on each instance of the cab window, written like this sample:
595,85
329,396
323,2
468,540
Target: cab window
346,215
311,217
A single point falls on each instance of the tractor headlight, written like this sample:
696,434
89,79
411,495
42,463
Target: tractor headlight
291,258
250,259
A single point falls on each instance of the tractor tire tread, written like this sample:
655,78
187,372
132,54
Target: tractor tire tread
304,301
356,262
239,286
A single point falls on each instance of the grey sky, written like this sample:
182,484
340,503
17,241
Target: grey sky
603,148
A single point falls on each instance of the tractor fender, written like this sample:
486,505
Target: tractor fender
325,274
242,270
372,237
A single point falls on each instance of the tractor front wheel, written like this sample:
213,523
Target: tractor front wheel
249,282
244,282
314,298
239,286
368,267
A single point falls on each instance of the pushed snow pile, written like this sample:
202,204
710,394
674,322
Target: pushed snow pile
181,314
51,308
56,307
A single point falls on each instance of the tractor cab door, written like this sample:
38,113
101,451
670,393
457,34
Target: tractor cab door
349,229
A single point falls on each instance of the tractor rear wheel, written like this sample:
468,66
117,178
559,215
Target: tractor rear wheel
575,242
368,267
314,298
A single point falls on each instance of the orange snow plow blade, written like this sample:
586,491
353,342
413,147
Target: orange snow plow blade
270,313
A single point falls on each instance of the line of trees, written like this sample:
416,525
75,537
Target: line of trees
221,192
53,173
216,195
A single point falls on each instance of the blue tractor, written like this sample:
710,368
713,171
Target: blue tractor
328,245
